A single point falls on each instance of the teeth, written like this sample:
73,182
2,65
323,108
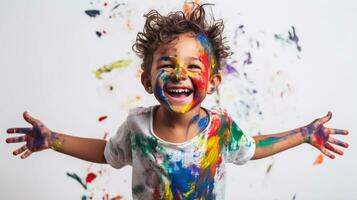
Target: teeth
179,90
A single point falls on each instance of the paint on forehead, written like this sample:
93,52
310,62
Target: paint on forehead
208,59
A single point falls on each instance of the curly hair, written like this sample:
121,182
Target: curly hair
160,29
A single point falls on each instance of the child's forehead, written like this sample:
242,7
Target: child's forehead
181,44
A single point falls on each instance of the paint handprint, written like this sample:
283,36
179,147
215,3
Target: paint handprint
37,138
320,137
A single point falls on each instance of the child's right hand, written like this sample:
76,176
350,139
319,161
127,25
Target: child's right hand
37,138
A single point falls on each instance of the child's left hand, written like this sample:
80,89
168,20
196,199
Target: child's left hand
319,136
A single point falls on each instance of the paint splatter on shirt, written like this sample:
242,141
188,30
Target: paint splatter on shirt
194,169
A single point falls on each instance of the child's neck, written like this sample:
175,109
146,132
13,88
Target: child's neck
177,127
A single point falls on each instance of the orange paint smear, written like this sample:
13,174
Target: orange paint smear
319,160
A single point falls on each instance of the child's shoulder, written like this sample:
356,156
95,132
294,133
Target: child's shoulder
219,113
137,111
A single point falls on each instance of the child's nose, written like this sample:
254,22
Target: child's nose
179,73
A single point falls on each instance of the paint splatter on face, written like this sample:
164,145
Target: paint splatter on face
181,82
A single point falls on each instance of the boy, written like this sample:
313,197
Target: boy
178,149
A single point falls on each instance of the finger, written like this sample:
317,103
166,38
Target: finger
19,130
338,131
327,153
26,154
326,118
31,120
333,149
16,139
20,150
338,142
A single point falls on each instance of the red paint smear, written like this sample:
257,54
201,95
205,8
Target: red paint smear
90,177
319,159
118,197
102,118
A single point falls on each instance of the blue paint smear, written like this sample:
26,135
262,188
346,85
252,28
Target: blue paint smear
181,179
229,69
202,123
92,13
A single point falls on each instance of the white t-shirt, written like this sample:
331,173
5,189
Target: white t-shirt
194,169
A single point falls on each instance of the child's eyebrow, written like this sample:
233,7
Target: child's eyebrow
173,58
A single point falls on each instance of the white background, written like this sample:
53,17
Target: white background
49,50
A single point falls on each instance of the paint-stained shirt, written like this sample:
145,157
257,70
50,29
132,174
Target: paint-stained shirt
194,169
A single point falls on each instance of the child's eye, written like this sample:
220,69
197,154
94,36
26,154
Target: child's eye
166,66
194,67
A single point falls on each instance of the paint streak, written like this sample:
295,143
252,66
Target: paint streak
293,37
248,60
229,69
269,168
90,177
102,118
93,13
114,65
319,160
78,179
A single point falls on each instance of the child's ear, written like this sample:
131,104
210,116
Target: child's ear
145,80
214,82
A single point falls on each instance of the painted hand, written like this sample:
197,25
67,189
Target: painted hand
320,137
37,138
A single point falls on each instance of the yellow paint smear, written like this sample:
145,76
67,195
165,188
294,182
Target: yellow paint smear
114,65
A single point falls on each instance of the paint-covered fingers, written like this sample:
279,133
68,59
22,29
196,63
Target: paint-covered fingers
19,130
31,120
16,139
337,131
338,142
327,153
326,118
20,150
26,154
333,149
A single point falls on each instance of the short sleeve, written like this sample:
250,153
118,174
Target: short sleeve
117,151
240,147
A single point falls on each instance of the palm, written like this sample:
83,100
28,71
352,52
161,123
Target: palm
319,136
36,138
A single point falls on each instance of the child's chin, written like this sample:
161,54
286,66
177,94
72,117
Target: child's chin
180,109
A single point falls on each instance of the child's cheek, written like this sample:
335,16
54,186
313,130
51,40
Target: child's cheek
160,82
200,83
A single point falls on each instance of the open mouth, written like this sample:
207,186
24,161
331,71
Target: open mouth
179,95
179,92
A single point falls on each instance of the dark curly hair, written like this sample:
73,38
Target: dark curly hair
160,29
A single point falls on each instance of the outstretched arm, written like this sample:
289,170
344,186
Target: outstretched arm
315,134
39,137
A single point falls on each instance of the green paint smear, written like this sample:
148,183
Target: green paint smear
77,178
236,136
114,65
138,189
146,145
268,141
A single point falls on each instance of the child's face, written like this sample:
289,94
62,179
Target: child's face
181,72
